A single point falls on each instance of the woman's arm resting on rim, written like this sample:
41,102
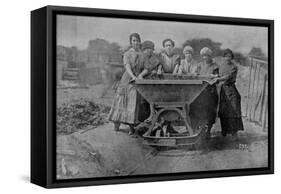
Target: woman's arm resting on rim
129,70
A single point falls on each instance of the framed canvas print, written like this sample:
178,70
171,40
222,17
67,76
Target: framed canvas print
126,96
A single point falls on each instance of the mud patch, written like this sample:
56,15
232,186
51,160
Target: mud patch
79,115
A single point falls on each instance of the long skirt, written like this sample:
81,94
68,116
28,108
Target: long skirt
230,109
125,106
212,104
231,125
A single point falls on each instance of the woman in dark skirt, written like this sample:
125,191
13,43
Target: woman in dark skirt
230,99
209,68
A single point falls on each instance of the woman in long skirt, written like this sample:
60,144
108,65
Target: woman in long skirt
230,99
126,104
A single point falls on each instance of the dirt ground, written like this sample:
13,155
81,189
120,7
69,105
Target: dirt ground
103,152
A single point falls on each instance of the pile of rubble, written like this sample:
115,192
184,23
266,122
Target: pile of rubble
80,115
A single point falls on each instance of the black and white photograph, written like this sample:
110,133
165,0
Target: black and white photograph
142,97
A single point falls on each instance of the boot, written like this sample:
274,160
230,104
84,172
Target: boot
132,130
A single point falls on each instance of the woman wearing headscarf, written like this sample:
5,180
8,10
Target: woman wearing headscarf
169,60
150,62
125,107
187,65
210,69
230,99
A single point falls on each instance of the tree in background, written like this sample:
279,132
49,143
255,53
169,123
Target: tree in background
178,51
198,44
241,59
256,51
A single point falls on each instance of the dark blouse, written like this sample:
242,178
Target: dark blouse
230,70
151,62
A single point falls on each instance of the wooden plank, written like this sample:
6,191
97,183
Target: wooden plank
265,116
257,92
249,88
265,120
263,97
253,88
260,61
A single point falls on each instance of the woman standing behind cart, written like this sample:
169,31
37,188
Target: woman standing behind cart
230,99
169,60
187,65
125,107
150,60
151,64
210,69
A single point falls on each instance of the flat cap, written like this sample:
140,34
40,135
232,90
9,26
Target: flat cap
147,45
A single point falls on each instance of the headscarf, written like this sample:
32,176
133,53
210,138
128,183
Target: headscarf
206,51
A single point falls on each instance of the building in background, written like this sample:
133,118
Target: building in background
85,66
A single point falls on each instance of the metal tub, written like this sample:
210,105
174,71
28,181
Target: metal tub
187,100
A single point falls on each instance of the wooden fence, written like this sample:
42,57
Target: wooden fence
257,94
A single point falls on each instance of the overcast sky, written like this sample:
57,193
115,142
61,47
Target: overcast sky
78,30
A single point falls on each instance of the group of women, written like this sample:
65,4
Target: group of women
141,61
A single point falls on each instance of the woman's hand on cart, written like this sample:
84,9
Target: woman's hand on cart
215,80
153,72
134,79
214,76
159,72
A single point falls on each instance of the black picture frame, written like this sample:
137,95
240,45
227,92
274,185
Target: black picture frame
43,95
